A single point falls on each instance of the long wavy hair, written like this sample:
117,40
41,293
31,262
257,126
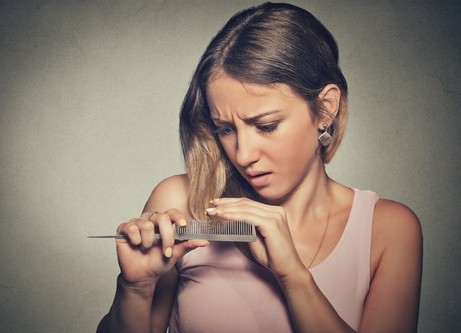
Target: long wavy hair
266,44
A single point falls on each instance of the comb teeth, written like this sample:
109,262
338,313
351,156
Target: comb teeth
216,230
212,230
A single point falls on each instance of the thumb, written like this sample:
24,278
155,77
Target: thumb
182,248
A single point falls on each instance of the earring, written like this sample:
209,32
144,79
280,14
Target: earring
325,138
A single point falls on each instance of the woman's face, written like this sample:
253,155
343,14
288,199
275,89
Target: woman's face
267,132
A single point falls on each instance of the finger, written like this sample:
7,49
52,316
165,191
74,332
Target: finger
120,231
266,223
180,249
227,201
217,201
131,230
238,215
147,234
240,209
120,228
166,231
148,229
177,217
220,202
248,203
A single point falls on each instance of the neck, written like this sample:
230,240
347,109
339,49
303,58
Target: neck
311,200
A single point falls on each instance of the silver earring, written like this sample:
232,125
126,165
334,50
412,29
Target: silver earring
325,138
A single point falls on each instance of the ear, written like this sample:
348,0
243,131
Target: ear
329,101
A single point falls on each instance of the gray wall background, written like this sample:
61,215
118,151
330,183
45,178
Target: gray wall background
89,100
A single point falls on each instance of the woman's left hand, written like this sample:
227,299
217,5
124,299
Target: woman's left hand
274,247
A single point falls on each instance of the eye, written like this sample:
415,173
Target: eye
223,131
267,128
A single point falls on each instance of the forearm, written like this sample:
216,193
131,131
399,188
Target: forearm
310,310
131,309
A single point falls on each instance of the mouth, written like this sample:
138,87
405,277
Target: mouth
258,178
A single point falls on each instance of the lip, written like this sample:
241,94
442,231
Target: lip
255,173
258,178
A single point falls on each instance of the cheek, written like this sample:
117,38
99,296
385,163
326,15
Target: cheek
300,142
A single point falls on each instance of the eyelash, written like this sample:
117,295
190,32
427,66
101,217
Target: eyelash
267,128
263,128
221,131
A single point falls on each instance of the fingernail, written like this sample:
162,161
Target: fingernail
210,211
182,222
168,252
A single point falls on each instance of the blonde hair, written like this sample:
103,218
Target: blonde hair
270,43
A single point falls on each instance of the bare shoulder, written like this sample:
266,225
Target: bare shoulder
173,183
172,192
396,230
395,221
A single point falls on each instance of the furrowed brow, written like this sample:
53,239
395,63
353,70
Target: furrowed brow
249,120
254,119
218,121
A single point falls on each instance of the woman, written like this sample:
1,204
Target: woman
264,113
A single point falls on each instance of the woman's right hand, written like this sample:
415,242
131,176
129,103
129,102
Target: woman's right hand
141,257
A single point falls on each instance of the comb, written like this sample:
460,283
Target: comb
212,230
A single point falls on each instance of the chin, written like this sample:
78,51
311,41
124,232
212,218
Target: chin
271,197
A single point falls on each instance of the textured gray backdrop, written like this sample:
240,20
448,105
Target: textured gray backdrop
89,99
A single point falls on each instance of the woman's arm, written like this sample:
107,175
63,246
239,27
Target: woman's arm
139,309
393,300
131,310
309,309
146,286
392,304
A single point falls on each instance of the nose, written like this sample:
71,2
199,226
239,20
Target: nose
247,151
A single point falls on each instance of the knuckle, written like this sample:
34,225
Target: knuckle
132,228
146,225
136,224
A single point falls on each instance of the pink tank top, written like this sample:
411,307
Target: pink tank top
221,290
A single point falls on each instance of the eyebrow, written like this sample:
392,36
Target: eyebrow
249,120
